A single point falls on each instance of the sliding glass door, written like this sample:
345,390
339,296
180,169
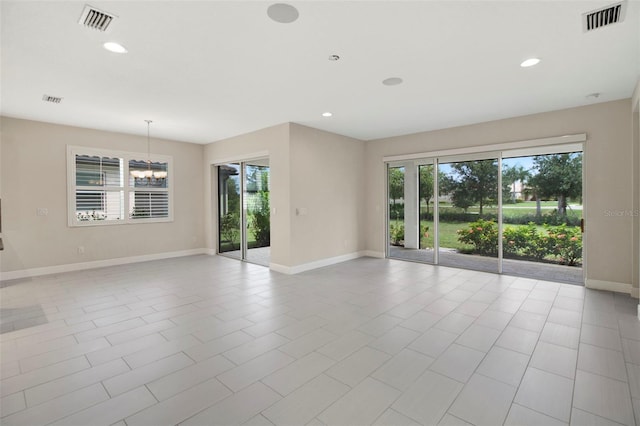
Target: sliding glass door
517,212
257,212
467,213
410,211
244,222
229,210
542,214
426,209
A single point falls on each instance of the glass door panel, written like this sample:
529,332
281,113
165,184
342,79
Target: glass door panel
468,214
410,211
395,216
229,210
542,213
426,207
257,212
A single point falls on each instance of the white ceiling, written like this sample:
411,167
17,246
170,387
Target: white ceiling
207,70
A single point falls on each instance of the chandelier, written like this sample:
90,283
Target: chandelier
148,173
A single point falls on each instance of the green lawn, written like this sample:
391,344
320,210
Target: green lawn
448,236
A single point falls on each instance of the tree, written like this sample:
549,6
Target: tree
475,182
396,184
511,175
233,196
558,175
426,184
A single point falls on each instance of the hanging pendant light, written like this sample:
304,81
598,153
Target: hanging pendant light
145,174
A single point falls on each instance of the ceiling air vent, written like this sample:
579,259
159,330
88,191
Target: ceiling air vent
602,17
53,99
95,19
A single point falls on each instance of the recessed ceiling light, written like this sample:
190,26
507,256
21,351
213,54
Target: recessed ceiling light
530,62
114,47
327,114
283,13
392,81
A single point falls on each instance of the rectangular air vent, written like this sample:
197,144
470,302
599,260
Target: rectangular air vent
96,19
602,17
53,99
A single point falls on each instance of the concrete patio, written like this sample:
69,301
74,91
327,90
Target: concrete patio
521,268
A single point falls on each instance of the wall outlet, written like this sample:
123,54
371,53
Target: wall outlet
42,211
81,250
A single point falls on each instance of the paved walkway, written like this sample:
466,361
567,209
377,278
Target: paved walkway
521,268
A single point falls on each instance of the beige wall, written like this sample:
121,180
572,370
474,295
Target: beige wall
338,180
273,141
33,175
310,169
607,162
327,173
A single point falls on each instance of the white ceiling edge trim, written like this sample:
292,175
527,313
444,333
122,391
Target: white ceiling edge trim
505,146
239,158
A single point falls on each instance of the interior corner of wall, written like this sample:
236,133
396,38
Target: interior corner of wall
280,268
635,98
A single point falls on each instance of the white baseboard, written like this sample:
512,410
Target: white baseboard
280,268
373,253
292,270
610,286
48,270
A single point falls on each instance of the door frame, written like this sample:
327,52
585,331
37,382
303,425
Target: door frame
215,201
551,145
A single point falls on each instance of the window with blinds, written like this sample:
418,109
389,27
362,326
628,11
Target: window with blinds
115,187
149,195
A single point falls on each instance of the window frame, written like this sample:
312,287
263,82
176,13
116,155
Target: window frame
127,189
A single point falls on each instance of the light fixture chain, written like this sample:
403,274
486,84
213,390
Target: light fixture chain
148,143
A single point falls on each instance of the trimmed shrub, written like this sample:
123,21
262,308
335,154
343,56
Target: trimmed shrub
526,241
566,243
396,233
483,235
551,218
562,242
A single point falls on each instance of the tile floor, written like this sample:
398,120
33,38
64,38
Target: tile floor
207,340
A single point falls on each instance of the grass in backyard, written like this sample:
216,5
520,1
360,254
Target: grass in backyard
448,236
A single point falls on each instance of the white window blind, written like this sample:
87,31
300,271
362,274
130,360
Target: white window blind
99,191
149,196
103,185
